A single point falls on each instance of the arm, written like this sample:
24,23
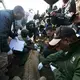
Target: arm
73,6
58,75
76,75
12,35
53,57
72,9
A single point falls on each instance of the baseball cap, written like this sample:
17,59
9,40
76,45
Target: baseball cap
61,32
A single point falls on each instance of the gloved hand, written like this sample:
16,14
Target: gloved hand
52,67
10,52
40,66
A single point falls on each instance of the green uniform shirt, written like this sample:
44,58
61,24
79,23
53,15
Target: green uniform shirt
67,63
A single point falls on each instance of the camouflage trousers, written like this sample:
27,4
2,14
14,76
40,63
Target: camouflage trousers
3,65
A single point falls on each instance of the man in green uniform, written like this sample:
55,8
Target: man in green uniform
66,61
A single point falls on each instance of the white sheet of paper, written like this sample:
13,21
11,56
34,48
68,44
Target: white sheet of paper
16,45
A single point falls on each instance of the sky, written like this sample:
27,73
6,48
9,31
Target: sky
40,5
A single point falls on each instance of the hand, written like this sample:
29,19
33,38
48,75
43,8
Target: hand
53,13
69,14
52,67
10,52
9,40
40,66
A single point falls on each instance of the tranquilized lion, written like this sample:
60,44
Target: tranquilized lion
31,67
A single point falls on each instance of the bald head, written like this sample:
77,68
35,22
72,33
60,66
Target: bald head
18,12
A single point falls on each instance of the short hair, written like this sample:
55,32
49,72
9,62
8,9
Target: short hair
18,9
24,33
50,28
